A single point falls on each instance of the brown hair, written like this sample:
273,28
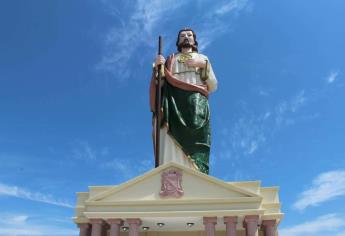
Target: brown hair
194,47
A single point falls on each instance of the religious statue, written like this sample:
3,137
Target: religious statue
184,125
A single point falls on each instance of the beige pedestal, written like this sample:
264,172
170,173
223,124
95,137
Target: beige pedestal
211,205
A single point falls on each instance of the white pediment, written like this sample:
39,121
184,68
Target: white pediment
196,186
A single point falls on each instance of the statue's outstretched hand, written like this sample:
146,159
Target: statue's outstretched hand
160,60
200,63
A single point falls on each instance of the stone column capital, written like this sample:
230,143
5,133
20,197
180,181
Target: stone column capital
269,222
84,229
135,221
210,220
230,219
251,218
84,225
97,221
115,221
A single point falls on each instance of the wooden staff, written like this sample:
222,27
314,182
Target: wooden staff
158,105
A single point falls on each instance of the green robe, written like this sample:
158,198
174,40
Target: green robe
187,115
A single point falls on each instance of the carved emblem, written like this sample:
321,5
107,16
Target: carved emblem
171,184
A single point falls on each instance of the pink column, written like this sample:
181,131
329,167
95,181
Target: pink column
134,226
269,227
210,223
230,222
97,227
84,229
115,226
251,225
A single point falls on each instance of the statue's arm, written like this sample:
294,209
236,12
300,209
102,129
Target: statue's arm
208,75
212,82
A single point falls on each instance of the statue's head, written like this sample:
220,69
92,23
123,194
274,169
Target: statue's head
186,38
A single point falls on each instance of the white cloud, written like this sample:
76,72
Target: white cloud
332,77
121,43
36,231
253,146
14,191
20,225
263,93
213,25
150,13
13,219
284,110
267,115
325,187
128,168
298,101
325,224
234,5
247,135
251,131
138,30
82,150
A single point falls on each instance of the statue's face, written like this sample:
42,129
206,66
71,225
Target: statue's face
186,39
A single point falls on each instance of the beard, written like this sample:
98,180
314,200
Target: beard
186,44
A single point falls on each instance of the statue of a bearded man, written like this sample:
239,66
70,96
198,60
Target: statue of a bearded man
185,134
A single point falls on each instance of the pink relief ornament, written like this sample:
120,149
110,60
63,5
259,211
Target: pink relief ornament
171,184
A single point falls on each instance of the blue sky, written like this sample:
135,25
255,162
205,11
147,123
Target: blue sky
74,109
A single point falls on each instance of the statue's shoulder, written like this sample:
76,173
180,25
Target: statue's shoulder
201,55
170,60
174,54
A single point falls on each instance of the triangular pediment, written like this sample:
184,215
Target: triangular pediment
195,185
